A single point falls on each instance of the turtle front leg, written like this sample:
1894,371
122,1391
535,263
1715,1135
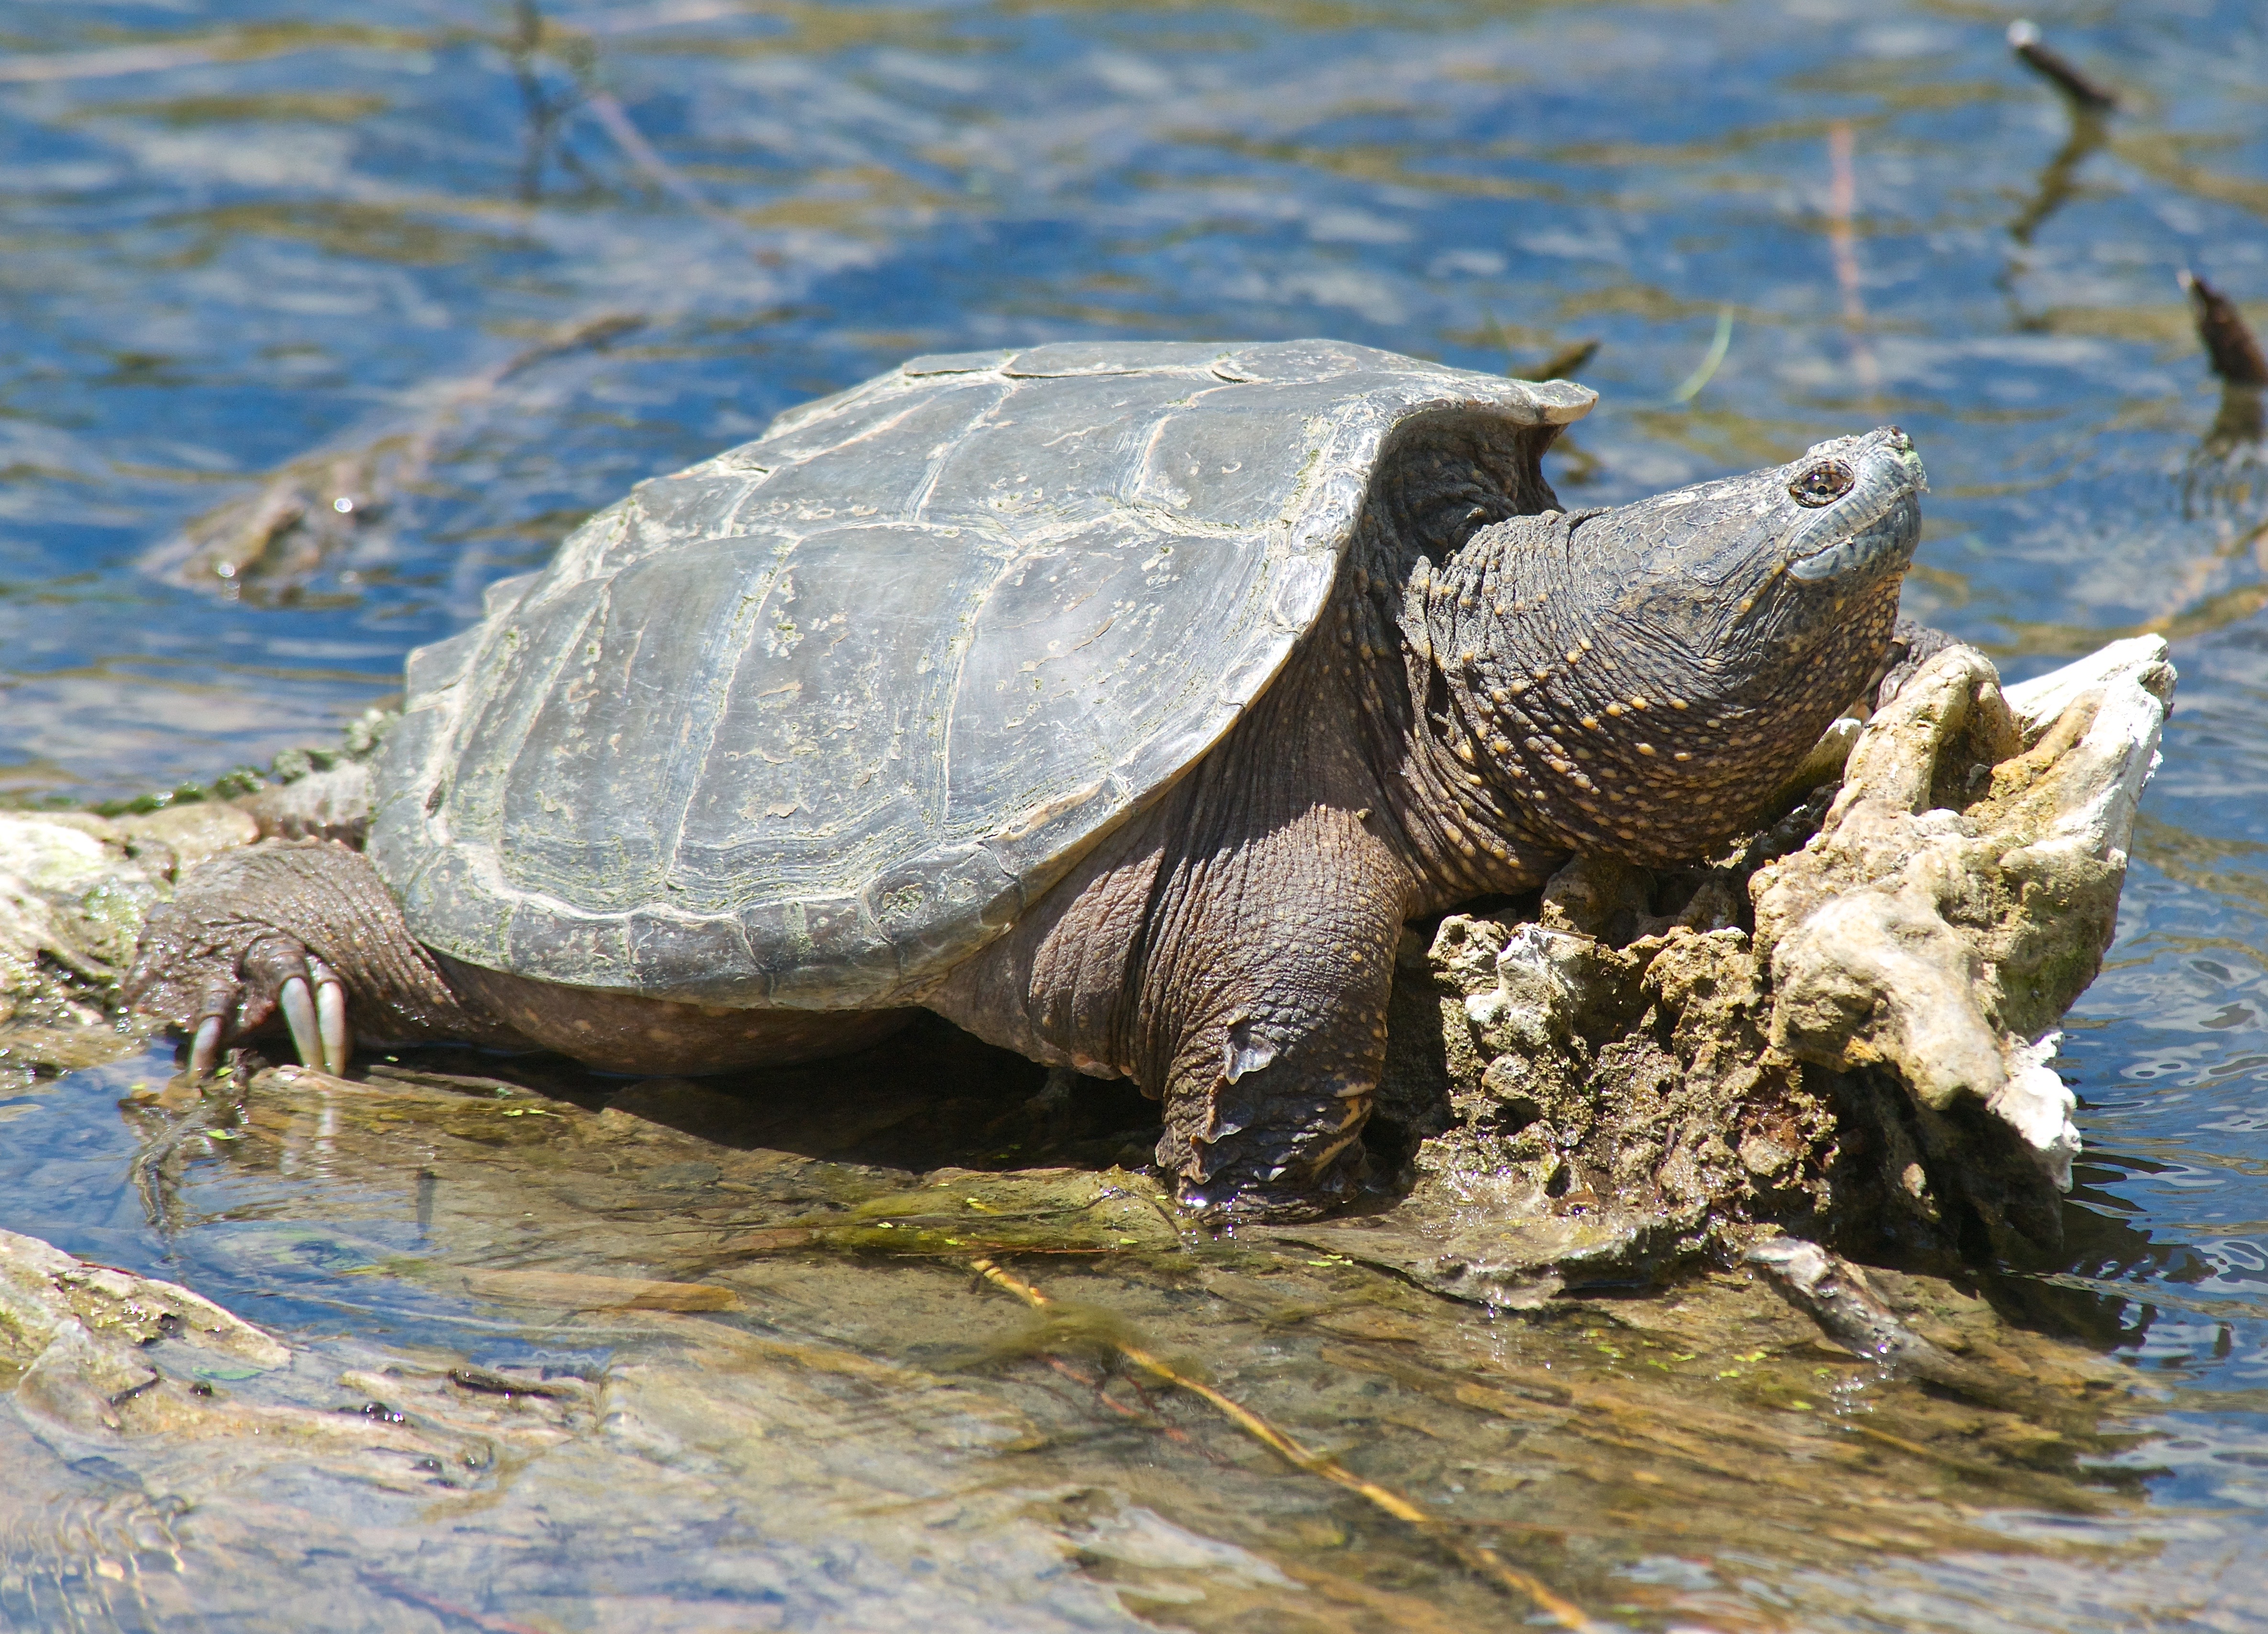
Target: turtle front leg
1235,962
306,931
1272,1000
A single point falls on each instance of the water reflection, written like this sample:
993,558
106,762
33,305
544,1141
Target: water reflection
692,1254
2222,477
2058,180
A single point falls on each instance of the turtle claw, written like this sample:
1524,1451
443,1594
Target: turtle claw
204,1050
335,1035
298,1006
224,963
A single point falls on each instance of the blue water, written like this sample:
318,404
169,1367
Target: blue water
234,234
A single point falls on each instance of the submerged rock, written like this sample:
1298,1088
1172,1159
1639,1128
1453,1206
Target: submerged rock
89,1345
676,1356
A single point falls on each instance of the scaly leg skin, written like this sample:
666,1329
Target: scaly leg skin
1274,1004
307,931
1244,983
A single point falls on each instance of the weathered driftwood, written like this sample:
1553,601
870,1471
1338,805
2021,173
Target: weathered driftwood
1843,1027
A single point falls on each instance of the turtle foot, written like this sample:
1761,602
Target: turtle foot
284,932
1257,1205
274,974
1227,1200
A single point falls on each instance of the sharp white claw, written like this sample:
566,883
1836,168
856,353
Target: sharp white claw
331,1017
299,1013
204,1050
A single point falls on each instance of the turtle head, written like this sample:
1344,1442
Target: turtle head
1662,668
1769,574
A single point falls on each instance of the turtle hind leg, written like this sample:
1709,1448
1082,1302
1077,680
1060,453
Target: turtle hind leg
1253,1132
304,932
1299,1156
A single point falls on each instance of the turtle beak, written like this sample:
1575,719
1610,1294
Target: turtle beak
1873,524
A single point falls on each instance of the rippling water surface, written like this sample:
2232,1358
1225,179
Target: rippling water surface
509,261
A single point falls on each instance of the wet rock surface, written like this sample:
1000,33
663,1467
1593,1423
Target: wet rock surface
72,895
555,1349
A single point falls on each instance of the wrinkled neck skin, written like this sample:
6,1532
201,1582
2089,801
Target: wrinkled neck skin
1530,696
1459,832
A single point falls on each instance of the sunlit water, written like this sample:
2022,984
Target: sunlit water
233,235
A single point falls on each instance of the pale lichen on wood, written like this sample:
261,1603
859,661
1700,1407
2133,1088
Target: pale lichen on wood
1843,1027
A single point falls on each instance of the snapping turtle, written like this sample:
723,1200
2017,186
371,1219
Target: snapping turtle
1118,702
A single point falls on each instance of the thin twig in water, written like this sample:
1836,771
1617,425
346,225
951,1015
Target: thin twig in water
1476,1557
543,115
2057,70
534,37
155,1170
397,1588
631,140
1146,1415
2060,177
2229,340
1562,363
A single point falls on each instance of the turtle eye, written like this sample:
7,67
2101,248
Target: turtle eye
1822,484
